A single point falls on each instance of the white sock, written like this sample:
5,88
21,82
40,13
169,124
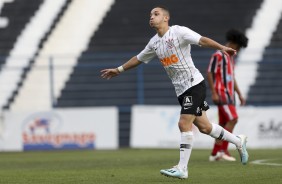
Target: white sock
186,145
220,133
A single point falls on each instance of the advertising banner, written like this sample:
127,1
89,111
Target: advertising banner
60,129
157,127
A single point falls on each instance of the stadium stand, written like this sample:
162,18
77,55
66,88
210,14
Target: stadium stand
124,32
35,20
75,24
10,32
18,15
267,88
22,100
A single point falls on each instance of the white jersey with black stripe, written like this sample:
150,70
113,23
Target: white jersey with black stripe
173,50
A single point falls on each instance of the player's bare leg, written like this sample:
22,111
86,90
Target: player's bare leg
220,133
220,148
186,144
229,126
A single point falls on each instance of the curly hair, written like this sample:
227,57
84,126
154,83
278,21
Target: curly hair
237,37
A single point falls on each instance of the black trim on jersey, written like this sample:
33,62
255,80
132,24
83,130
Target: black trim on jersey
213,65
224,70
224,77
229,98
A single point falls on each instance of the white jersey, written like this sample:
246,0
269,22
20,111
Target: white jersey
173,51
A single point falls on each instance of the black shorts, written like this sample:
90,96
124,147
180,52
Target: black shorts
192,101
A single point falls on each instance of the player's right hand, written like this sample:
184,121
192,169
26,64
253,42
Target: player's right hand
230,51
215,98
109,73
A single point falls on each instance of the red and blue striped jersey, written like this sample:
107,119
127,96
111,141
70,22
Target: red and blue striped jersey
222,68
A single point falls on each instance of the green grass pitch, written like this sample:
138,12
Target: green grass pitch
134,166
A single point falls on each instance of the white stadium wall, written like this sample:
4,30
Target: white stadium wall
156,127
151,127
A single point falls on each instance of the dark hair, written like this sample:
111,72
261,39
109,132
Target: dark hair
237,37
164,8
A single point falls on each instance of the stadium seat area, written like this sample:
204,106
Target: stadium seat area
15,16
267,88
29,25
10,32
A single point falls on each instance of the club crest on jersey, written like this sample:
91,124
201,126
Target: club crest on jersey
187,102
169,43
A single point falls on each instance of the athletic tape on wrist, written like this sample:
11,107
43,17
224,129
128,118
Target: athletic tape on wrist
120,69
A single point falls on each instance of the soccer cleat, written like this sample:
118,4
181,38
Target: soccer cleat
175,172
216,157
228,157
243,150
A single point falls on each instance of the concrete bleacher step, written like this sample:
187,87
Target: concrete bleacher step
97,102
267,88
9,34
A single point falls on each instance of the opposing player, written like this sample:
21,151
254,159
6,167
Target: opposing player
223,86
171,45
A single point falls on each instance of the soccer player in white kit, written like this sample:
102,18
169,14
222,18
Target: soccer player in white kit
171,45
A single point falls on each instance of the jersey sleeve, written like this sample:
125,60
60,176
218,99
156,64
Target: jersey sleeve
190,36
147,54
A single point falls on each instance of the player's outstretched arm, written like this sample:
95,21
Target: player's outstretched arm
112,72
207,42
